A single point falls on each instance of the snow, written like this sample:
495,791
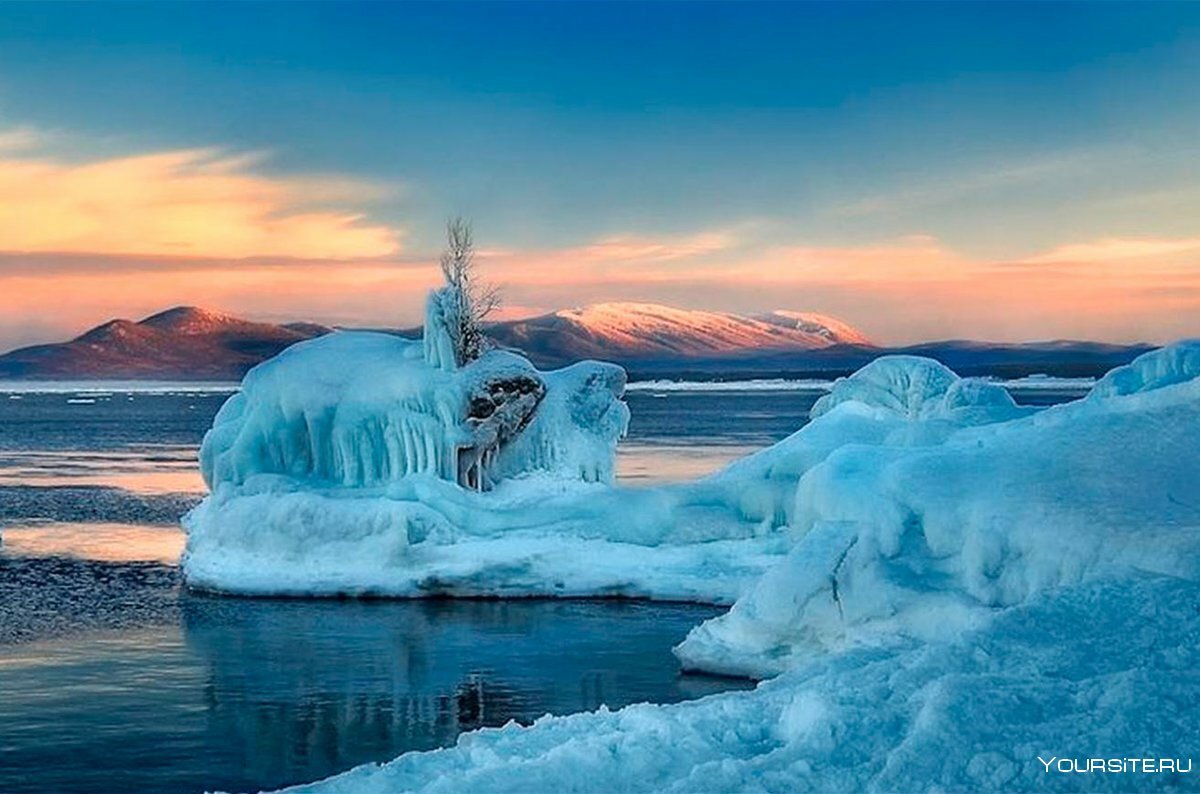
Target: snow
922,541
831,328
941,585
1178,363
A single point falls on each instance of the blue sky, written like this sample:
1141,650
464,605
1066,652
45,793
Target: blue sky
1000,132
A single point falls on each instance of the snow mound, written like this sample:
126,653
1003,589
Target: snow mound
1166,366
924,541
916,388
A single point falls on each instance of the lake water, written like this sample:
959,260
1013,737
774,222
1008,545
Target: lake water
114,679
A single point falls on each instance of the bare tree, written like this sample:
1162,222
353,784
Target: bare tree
469,300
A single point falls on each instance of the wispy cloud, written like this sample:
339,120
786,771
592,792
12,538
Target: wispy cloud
190,202
1114,249
15,139
646,249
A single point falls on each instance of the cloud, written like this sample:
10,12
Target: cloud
185,202
602,255
17,139
632,249
899,290
1114,249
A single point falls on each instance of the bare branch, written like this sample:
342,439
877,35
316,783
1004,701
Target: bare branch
471,301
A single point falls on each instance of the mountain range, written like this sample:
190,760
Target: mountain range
190,343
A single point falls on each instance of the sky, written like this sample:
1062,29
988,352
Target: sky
923,171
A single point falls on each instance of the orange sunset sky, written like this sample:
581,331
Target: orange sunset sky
1039,179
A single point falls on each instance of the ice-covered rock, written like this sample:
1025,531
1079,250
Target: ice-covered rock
916,388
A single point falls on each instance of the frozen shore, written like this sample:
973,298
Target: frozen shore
940,585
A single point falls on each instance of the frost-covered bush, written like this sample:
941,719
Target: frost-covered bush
455,314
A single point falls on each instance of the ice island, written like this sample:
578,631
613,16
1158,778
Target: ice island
941,585
363,463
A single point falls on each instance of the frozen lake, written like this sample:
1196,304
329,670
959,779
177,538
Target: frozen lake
112,679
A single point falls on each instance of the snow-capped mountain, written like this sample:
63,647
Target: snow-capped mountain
631,331
819,325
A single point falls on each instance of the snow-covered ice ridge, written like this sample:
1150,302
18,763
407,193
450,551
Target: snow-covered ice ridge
940,584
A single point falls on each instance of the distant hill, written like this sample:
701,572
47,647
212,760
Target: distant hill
185,343
1063,358
626,332
650,340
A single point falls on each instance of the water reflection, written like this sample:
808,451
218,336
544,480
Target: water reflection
233,694
103,542
654,464
143,469
322,686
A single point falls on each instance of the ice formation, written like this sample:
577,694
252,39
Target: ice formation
967,586
362,463
923,542
357,410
